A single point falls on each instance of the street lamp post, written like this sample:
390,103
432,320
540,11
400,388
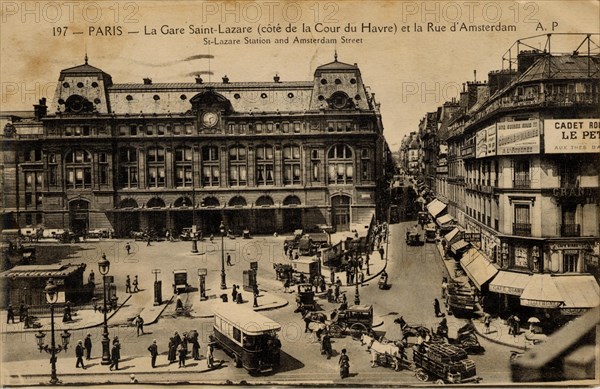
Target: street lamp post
223,279
104,266
356,292
53,349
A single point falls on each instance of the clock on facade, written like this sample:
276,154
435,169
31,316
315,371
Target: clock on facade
210,119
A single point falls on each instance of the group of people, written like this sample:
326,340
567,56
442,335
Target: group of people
128,284
83,348
178,348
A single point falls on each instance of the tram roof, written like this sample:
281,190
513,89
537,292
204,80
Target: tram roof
249,321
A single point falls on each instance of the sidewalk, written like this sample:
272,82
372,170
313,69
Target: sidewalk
498,332
38,370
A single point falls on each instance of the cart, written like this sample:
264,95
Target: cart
430,232
180,284
382,283
460,300
305,298
413,238
443,362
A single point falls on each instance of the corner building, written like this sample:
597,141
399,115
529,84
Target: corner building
263,156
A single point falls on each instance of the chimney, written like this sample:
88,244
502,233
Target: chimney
147,81
225,80
499,79
276,78
40,110
474,75
527,58
199,79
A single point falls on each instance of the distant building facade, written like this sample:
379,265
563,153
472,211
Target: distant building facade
263,156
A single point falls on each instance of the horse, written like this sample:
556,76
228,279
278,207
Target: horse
408,330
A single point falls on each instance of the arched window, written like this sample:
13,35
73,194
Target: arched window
210,166
340,164
183,167
264,165
128,167
78,164
238,166
155,161
210,201
128,203
291,200
264,201
291,165
183,201
155,202
237,201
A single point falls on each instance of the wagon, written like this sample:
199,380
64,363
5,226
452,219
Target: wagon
358,319
444,363
460,300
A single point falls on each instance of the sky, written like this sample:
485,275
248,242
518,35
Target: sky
411,72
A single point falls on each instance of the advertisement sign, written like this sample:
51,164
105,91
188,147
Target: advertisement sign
521,137
486,142
572,136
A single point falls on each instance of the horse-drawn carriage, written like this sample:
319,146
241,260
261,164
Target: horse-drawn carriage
357,319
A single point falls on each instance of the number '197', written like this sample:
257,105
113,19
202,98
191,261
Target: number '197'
59,31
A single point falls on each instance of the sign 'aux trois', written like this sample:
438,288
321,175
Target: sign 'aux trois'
567,136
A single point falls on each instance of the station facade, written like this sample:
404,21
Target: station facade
263,156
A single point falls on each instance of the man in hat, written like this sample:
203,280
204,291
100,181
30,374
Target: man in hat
127,284
139,325
87,343
153,352
135,284
79,354
10,314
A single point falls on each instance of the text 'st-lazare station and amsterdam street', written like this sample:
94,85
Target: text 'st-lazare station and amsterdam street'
242,232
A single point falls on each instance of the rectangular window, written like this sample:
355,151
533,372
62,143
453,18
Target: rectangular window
103,174
189,129
285,127
237,334
28,219
150,129
133,130
28,199
161,129
521,175
258,127
297,127
269,128
183,176
570,262
39,218
231,128
315,171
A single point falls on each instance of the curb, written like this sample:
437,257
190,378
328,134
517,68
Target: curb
258,309
161,311
75,328
512,345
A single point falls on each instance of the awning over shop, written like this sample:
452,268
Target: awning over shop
443,220
477,267
541,292
508,282
458,246
435,207
578,291
453,236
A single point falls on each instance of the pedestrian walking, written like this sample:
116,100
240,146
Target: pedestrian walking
517,326
135,284
329,295
286,285
210,359
195,346
347,276
444,287
79,355
87,343
510,324
306,318
22,312
10,314
212,238
326,344
337,291
92,278
322,284
234,293
128,248
436,308
381,252
148,239
255,293
332,275
182,354
487,319
172,355
229,260
128,284
139,325
153,353
67,313
344,363
361,277
115,355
